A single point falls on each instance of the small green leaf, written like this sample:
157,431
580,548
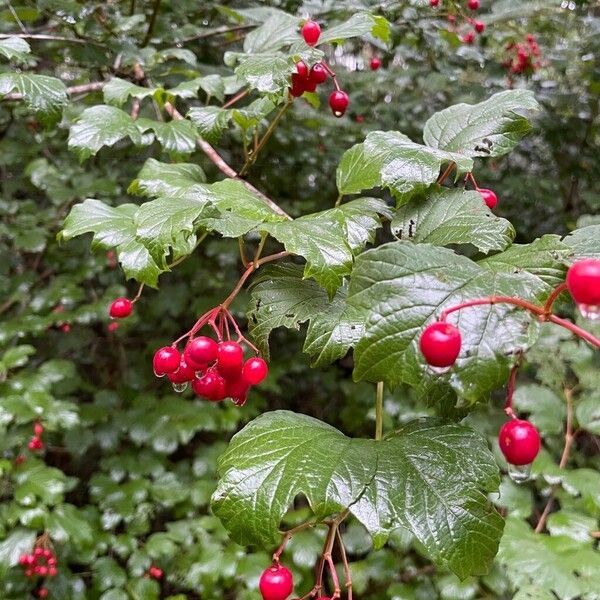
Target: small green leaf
15,48
269,72
438,494
448,217
276,32
390,159
585,242
491,128
211,121
117,91
546,410
100,126
164,179
46,96
588,414
19,541
359,24
178,136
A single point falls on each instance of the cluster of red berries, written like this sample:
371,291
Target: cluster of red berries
216,370
306,79
36,444
478,26
523,57
440,344
41,562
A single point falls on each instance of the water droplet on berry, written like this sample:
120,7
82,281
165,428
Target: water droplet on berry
519,473
589,311
338,113
439,370
158,374
180,387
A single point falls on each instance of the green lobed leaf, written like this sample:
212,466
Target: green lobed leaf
390,159
268,72
114,227
15,48
359,24
178,136
213,85
452,216
545,409
117,91
100,126
46,96
279,30
400,287
19,541
157,178
491,128
585,242
437,494
211,121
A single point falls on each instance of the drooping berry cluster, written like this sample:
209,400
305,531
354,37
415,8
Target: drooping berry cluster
36,444
41,562
478,27
215,368
306,79
522,58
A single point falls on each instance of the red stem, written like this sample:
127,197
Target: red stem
553,296
533,308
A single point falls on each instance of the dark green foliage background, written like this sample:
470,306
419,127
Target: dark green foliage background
130,466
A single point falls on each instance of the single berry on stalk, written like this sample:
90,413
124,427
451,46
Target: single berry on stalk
468,38
519,441
479,26
276,583
440,344
338,101
38,429
184,374
302,69
311,32
375,63
255,371
155,572
489,197
230,356
120,308
434,3
318,74
200,351
583,281
166,360
473,4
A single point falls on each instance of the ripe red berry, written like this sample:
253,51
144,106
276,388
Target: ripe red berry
43,592
451,18
338,101
298,85
230,356
237,389
166,360
479,26
276,583
519,441
311,31
38,552
121,308
24,559
184,374
583,281
155,572
302,69
35,443
434,3
210,386
65,328
318,74
200,351
468,38
52,571
440,344
255,371
375,63
112,327
473,4
28,573
38,429
489,197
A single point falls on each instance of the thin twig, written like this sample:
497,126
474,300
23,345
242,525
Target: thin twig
151,23
445,174
236,98
52,38
218,31
346,565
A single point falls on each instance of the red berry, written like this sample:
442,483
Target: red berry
20,459
155,572
237,389
276,583
473,4
302,69
113,326
298,85
52,571
519,441
479,26
451,18
183,374
375,63
255,371
468,38
210,386
38,552
121,308
200,351
28,572
338,101
24,559
43,592
583,281
166,360
38,429
35,443
489,197
434,3
65,328
318,74
440,344
230,356
359,118
42,570
311,31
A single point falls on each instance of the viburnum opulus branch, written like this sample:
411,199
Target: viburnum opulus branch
277,582
440,344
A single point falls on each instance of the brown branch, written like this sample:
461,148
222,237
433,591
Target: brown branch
218,31
346,565
220,163
71,91
151,23
52,38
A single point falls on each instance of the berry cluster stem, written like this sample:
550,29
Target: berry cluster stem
540,311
